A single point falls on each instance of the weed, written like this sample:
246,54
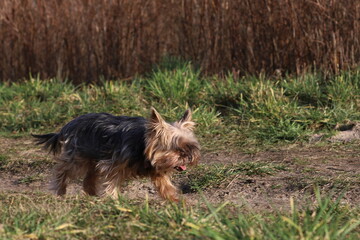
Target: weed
30,179
4,160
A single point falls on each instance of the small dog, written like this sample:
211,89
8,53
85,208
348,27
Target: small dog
106,150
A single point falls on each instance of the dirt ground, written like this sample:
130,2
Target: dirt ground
334,167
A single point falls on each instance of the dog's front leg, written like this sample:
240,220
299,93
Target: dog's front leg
165,187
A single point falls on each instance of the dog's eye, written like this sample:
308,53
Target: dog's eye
186,156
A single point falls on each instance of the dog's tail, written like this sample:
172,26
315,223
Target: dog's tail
51,141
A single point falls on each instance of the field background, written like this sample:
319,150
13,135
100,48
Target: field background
274,87
82,40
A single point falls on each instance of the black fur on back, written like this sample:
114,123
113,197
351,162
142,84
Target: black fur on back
100,136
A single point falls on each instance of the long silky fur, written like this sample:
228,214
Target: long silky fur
107,150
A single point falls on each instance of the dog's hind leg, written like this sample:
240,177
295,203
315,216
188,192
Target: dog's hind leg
60,178
111,177
91,180
67,167
112,186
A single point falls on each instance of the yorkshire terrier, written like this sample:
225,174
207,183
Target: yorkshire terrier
106,150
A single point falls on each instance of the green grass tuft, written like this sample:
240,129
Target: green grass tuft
324,220
39,216
210,176
240,111
175,87
4,160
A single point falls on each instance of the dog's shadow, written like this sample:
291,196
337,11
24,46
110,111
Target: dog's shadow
186,188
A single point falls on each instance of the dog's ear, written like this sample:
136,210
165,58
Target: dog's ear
186,117
155,117
157,134
185,121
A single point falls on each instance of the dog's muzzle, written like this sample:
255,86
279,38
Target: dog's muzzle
180,168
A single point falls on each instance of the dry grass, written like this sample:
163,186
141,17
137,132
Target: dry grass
83,40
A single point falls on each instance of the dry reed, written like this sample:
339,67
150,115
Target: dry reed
84,39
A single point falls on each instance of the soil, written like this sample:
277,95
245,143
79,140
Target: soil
333,167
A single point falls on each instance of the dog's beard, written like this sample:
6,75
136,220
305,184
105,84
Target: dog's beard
168,161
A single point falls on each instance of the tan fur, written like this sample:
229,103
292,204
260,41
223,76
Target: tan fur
165,187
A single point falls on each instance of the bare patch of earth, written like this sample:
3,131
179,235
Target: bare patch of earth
333,167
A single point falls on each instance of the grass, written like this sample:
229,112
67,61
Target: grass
39,216
38,104
206,176
238,111
232,113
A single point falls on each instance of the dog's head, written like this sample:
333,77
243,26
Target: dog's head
171,146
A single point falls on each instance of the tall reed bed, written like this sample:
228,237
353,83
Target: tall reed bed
82,40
